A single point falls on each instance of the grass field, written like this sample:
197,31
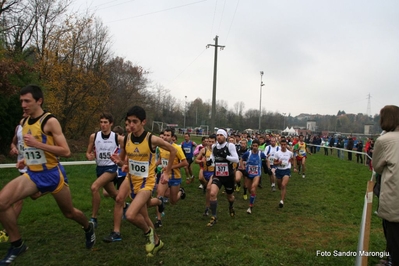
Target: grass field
321,212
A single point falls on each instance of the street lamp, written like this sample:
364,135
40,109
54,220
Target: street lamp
185,100
260,98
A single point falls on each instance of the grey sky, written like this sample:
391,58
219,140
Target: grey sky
317,56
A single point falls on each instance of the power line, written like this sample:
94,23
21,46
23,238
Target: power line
234,15
106,3
159,11
185,68
221,17
214,15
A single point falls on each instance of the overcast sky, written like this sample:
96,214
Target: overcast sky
317,56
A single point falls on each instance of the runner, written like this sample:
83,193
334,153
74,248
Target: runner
283,159
253,167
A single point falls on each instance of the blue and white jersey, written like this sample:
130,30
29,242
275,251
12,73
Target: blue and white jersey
105,147
271,153
253,164
188,148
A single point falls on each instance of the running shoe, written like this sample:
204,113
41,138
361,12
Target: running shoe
13,253
200,186
158,223
183,193
113,237
212,222
161,207
149,247
303,175
274,188
249,210
90,236
94,221
155,249
245,196
206,212
232,211
281,204
3,236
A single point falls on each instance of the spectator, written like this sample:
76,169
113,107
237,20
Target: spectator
331,144
340,145
325,144
349,147
369,152
359,148
386,163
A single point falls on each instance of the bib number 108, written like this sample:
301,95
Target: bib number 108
138,168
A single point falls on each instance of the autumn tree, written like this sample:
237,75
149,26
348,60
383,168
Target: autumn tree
73,71
13,75
127,84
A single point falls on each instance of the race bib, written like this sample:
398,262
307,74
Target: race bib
104,156
271,159
253,170
187,150
34,156
302,152
284,163
221,169
164,162
138,168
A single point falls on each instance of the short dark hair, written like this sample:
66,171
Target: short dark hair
255,141
212,136
118,130
107,116
389,117
35,90
137,111
204,138
172,132
283,141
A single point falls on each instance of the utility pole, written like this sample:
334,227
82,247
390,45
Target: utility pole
185,104
212,124
260,100
368,105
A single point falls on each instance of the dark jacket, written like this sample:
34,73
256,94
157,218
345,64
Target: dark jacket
350,144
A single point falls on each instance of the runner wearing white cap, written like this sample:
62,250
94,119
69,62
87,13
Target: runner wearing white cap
223,156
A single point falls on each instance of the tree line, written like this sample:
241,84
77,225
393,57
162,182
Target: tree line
69,54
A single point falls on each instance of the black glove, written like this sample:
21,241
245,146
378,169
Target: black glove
209,162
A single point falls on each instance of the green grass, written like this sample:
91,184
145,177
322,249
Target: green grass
322,212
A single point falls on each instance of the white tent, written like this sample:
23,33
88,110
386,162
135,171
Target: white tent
291,131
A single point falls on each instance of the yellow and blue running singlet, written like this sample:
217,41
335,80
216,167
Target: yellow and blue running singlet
37,159
43,166
141,162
